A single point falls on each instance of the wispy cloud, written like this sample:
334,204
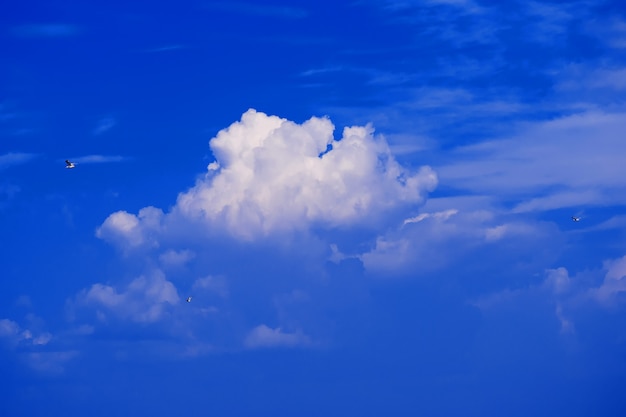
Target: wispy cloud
15,158
99,159
166,48
569,161
284,12
46,30
104,125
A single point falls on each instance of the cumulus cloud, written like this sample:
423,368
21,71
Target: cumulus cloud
557,280
272,175
427,241
144,300
614,283
263,336
15,335
131,231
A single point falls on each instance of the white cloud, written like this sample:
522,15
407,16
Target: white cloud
435,240
98,159
273,176
442,215
263,336
571,161
566,325
614,282
217,285
557,280
132,231
424,242
173,258
144,300
14,334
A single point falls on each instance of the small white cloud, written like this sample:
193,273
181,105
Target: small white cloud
336,256
104,125
42,339
496,233
557,280
566,325
15,335
614,282
214,284
144,300
8,328
130,231
173,258
263,336
442,215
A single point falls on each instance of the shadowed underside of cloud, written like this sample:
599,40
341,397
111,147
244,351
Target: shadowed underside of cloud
272,175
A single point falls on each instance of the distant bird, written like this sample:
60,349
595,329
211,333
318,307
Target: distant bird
69,164
188,299
575,219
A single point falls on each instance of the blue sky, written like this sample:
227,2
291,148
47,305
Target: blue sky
368,201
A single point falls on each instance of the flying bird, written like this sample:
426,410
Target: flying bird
576,219
69,164
188,299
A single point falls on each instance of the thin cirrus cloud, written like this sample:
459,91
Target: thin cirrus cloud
15,158
260,10
571,161
272,175
98,159
46,30
104,125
